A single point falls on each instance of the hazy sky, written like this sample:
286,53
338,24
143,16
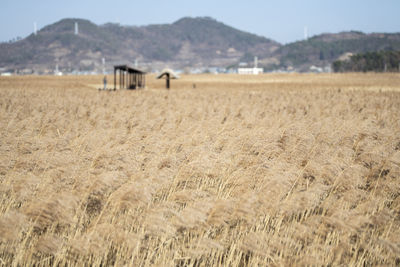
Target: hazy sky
281,20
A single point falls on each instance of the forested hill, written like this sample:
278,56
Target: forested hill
381,61
188,42
324,49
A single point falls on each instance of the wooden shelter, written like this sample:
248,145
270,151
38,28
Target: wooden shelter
129,78
167,74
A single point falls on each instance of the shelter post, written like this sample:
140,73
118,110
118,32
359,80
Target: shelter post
115,79
167,80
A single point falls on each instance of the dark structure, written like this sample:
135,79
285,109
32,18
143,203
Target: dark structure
129,78
167,74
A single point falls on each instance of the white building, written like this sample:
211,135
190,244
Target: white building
253,71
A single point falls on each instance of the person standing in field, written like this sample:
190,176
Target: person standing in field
105,82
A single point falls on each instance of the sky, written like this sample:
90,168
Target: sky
281,20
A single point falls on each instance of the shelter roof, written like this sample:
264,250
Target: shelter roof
128,69
172,74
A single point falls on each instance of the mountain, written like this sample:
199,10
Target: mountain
322,50
189,42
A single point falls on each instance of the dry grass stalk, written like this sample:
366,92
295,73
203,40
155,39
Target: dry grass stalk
241,171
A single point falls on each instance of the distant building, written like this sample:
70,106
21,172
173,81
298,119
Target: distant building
254,71
316,69
26,71
57,72
328,69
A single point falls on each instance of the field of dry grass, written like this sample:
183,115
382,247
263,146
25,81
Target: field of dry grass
241,171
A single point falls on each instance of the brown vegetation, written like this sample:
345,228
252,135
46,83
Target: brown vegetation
242,170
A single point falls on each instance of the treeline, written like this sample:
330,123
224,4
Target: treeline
382,61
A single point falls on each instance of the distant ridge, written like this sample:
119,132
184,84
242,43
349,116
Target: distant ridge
186,43
323,49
